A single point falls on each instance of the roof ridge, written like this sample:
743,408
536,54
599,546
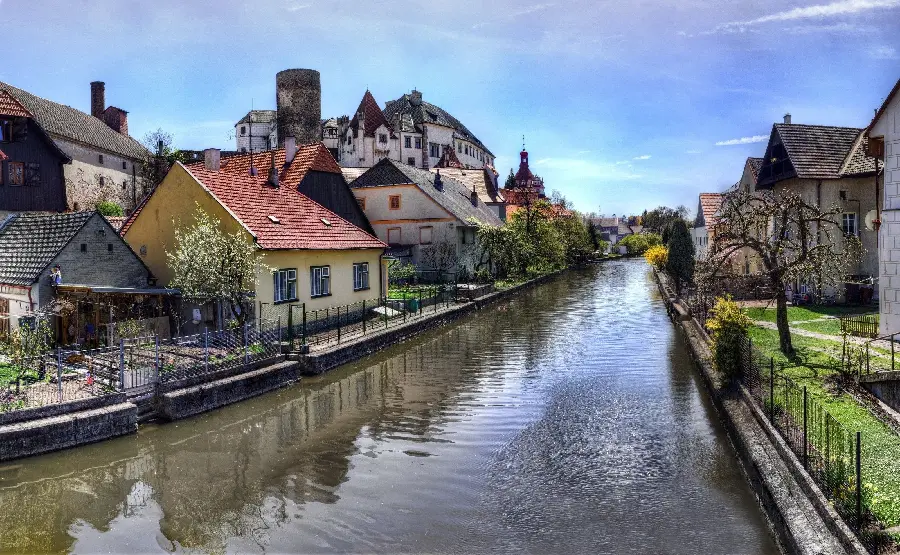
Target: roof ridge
817,125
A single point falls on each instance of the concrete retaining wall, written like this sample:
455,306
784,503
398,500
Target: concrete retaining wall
48,411
885,386
34,437
186,402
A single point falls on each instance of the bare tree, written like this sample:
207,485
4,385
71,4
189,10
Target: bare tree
792,238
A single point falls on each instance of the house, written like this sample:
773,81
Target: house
483,181
828,166
258,130
704,224
427,219
31,165
883,137
105,160
308,253
78,260
368,138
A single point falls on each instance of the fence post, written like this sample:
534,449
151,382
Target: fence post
279,335
246,347
420,302
205,349
772,390
858,482
867,358
892,352
364,317
404,305
290,326
59,374
805,429
339,324
156,362
384,305
121,365
304,323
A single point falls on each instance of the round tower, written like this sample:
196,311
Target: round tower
298,98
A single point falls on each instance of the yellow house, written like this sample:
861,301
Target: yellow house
309,253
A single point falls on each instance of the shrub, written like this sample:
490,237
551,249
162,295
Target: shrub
108,208
640,242
728,327
400,272
657,256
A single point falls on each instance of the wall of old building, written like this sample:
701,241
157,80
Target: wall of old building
88,181
261,136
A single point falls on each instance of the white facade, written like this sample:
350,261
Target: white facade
96,175
258,135
701,242
361,151
887,126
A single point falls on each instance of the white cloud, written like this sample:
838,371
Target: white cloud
294,6
818,11
692,152
885,53
831,28
744,140
642,157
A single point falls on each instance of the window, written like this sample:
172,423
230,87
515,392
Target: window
84,247
360,276
425,233
109,247
361,201
407,141
16,174
243,130
466,150
418,142
285,285
101,158
124,185
848,224
320,281
382,138
459,148
394,202
349,139
124,165
32,174
5,131
434,150
393,236
411,161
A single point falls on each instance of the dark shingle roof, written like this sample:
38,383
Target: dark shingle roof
857,163
66,122
259,116
817,151
30,242
755,164
374,117
412,117
454,198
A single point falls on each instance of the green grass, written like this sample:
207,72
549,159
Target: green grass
829,327
412,291
800,313
817,359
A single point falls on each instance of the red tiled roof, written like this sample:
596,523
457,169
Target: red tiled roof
710,204
374,116
302,223
9,106
449,159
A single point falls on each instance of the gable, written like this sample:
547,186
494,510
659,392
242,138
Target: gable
881,125
331,191
776,165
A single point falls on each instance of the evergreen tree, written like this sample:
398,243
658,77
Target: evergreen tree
680,264
592,232
510,180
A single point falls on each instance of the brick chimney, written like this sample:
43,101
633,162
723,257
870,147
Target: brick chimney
415,98
290,149
98,99
211,157
787,118
117,119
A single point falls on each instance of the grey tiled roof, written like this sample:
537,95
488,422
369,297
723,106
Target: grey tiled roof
66,122
857,163
412,118
478,179
29,242
259,116
817,151
755,164
455,197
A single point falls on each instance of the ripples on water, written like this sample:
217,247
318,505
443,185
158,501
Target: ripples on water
566,420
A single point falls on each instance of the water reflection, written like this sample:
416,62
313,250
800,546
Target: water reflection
567,419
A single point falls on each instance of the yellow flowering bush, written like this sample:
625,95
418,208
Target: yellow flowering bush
657,256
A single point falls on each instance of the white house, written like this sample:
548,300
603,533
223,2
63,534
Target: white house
257,131
884,143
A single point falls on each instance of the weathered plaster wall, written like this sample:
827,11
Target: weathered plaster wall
120,181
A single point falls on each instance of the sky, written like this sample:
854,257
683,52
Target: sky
624,106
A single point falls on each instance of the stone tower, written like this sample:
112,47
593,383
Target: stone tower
298,96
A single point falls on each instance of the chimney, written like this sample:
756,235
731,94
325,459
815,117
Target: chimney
290,150
787,118
211,159
98,98
273,173
415,98
438,184
474,198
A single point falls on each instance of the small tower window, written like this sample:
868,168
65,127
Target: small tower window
101,158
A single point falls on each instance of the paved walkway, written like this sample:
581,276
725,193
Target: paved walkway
879,344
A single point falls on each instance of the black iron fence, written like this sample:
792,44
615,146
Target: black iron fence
860,325
320,327
876,355
71,374
830,452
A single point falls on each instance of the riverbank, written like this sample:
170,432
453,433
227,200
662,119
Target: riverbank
801,516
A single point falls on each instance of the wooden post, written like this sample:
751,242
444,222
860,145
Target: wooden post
364,317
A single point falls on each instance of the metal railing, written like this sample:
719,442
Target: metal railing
861,325
829,452
316,328
867,359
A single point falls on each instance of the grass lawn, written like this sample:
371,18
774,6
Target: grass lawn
816,359
800,313
412,291
828,327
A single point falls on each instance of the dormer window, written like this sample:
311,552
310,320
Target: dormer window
101,158
326,222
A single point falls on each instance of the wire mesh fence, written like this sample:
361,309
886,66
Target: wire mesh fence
830,452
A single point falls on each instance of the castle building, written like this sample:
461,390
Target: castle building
528,187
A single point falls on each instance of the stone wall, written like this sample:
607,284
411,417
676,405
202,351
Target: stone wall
88,181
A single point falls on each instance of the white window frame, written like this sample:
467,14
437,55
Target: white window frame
360,276
846,218
285,285
319,281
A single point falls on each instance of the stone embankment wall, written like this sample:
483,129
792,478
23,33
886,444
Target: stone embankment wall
802,518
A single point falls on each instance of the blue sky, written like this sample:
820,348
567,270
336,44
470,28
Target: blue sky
623,104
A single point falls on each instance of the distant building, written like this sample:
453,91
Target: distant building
703,232
527,189
105,160
258,130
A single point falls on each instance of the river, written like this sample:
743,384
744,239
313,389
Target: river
569,419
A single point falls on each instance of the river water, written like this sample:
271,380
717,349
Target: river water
569,419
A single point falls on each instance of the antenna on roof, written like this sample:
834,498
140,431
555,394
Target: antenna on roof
523,141
250,140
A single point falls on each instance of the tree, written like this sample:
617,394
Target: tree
792,238
680,261
210,264
161,156
592,233
510,180
662,217
109,208
25,346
